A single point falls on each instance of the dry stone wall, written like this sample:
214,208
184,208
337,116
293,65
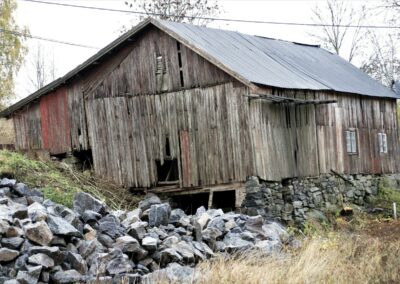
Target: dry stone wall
292,200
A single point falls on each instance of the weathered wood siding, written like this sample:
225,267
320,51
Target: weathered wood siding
55,120
28,128
368,116
129,134
283,139
76,105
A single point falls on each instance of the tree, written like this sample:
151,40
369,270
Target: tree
12,49
384,61
42,68
186,11
342,33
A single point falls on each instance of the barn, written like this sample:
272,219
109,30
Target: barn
179,107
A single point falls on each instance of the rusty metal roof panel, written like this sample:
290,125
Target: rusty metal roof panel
280,63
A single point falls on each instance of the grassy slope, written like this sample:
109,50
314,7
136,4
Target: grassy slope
59,182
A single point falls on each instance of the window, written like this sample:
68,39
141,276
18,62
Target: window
351,141
382,139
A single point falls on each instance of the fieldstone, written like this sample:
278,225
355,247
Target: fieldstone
7,254
132,217
5,182
84,201
5,213
276,232
234,242
68,276
149,200
211,234
61,227
255,225
18,211
203,219
173,273
39,233
9,281
150,243
159,214
127,244
12,243
41,259
30,276
169,255
5,192
267,246
176,215
4,226
90,216
37,212
120,264
77,262
138,230
111,226
53,252
217,223
22,190
105,240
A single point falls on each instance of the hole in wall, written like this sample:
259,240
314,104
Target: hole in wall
225,200
167,173
189,203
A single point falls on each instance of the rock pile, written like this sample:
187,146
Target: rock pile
41,241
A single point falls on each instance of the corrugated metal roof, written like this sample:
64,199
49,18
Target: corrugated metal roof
280,63
252,59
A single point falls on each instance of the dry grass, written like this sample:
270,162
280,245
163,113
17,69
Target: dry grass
336,259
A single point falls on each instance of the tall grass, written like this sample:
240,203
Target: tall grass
339,259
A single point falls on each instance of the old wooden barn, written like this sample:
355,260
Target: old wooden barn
193,107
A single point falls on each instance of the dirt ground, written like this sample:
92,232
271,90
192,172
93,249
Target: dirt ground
388,230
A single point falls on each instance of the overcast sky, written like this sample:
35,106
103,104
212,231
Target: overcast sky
98,28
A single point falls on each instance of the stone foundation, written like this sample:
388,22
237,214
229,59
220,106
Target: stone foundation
292,200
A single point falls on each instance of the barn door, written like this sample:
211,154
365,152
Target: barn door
185,159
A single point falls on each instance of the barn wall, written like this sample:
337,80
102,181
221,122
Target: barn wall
207,127
55,120
321,146
28,128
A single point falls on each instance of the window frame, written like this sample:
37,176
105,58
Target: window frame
351,138
382,143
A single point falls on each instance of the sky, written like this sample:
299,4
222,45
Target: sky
98,28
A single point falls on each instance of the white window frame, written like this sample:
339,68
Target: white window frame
382,142
351,142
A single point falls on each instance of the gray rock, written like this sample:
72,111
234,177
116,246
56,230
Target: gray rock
211,234
53,252
41,259
77,262
217,223
150,243
90,216
8,254
61,227
5,182
105,240
276,232
22,190
68,276
132,217
176,215
19,211
30,276
150,200
84,201
11,231
255,225
12,243
111,226
39,233
159,214
267,246
118,265
138,230
235,243
174,273
37,212
168,255
127,244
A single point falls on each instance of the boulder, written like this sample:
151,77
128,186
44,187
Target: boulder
176,216
61,227
53,252
111,226
37,212
30,276
217,223
77,262
84,201
5,182
150,243
39,233
235,243
132,217
41,259
12,243
149,200
159,214
138,230
127,244
68,276
7,254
